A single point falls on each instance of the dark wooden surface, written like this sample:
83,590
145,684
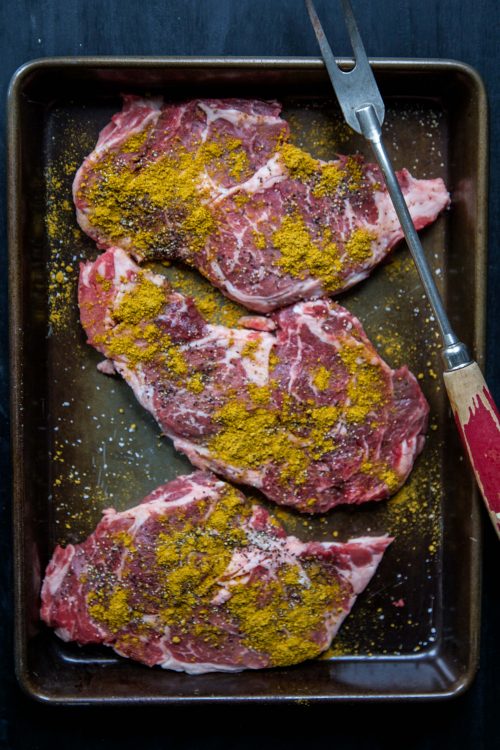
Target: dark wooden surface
466,30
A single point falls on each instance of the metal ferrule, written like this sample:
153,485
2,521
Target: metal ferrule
369,122
456,356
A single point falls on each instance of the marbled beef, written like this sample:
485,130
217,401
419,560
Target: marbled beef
197,579
217,184
298,404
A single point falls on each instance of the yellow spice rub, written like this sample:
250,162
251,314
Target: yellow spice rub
366,387
257,425
321,378
254,427
250,439
114,612
129,197
275,617
327,177
213,306
281,628
300,164
127,203
254,434
133,337
303,255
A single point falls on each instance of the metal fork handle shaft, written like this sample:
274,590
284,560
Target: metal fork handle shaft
455,353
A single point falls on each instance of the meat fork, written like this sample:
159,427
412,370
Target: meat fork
473,407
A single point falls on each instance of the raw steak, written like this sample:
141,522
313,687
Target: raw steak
299,404
196,579
217,184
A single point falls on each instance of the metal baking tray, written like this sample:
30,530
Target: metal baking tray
81,443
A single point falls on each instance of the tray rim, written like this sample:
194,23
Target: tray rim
15,92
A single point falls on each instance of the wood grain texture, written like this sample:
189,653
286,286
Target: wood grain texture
461,29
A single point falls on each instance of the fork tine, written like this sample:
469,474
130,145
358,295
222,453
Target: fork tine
356,88
366,84
337,76
325,48
354,35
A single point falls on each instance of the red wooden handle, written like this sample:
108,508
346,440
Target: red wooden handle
478,422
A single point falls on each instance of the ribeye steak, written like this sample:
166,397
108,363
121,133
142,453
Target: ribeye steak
298,404
197,579
217,184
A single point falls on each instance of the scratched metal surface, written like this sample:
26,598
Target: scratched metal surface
98,448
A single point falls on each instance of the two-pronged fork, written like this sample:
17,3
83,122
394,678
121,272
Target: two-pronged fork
475,413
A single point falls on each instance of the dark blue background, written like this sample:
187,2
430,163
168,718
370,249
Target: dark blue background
466,30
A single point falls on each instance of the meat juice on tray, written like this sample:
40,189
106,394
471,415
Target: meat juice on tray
297,404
